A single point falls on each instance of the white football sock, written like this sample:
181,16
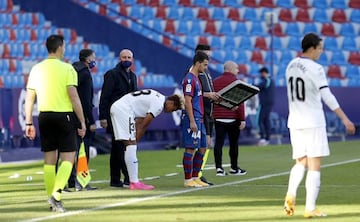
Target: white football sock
132,163
312,185
296,175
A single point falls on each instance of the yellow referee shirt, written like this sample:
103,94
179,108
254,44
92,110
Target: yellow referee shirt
50,79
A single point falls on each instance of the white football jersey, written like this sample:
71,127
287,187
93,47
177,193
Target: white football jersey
144,101
305,78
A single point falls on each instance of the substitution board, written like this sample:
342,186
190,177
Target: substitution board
235,93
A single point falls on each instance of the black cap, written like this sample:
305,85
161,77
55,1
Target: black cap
263,69
84,53
202,47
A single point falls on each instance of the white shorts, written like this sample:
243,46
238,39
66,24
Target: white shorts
312,142
123,121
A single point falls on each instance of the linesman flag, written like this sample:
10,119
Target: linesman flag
83,174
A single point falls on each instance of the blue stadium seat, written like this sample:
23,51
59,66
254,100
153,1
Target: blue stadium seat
174,13
310,27
321,4
188,13
285,4
241,29
218,14
250,14
275,58
320,15
183,27
229,55
170,2
135,11
330,43
196,28
323,59
233,3
201,3
294,43
349,44
246,43
226,28
218,55
190,41
277,43
148,13
292,29
229,42
242,57
347,29
352,71
355,15
286,56
256,29
338,58
338,4
215,42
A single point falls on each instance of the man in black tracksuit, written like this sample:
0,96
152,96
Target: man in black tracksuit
117,82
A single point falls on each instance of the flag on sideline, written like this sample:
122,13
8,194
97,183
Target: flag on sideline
83,173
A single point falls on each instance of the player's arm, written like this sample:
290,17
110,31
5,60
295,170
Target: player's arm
76,104
142,124
330,100
30,131
190,113
211,95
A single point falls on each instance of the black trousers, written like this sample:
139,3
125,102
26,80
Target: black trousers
233,132
117,162
264,121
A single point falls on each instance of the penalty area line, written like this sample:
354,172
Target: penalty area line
143,199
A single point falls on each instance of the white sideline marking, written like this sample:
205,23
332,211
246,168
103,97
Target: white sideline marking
143,199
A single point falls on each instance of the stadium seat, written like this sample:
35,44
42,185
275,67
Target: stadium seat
277,30
267,4
174,13
215,42
257,57
338,58
331,43
253,69
234,14
338,4
243,57
354,4
190,41
285,4
201,3
188,13
233,3
250,3
349,44
203,13
276,43
256,29
186,3
301,4
260,43
241,29
339,16
229,55
243,69
170,27
245,43
161,12
323,59
218,55
172,3
286,56
285,15
226,28
352,71
292,29
250,14
154,3
183,27
218,13
271,56
334,72
355,15
210,27
229,43
135,11
203,40
310,27
217,3
354,58
294,43
328,30
302,15
321,4
320,15
347,29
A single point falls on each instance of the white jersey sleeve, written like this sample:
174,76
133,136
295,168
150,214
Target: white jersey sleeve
147,101
305,78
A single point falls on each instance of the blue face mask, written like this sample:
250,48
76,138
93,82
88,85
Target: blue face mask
92,64
126,64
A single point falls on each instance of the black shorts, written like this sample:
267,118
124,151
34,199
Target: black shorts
58,131
209,124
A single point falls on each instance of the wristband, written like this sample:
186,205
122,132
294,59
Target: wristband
28,124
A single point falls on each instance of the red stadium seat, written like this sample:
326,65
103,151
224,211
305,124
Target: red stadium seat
250,3
211,27
302,15
203,13
267,4
186,3
216,3
161,12
124,10
277,30
286,15
334,71
328,29
27,52
301,4
354,4
234,14
354,58
257,57
203,40
339,16
154,3
243,69
170,27
260,43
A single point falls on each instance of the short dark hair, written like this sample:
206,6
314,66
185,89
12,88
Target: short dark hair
177,100
200,57
310,40
53,42
264,69
202,47
84,53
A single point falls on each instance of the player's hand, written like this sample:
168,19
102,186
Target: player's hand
92,127
350,127
103,123
242,125
214,96
30,132
82,130
193,127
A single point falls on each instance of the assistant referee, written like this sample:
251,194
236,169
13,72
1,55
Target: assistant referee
53,83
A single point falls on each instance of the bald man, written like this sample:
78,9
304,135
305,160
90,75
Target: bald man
228,122
118,81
